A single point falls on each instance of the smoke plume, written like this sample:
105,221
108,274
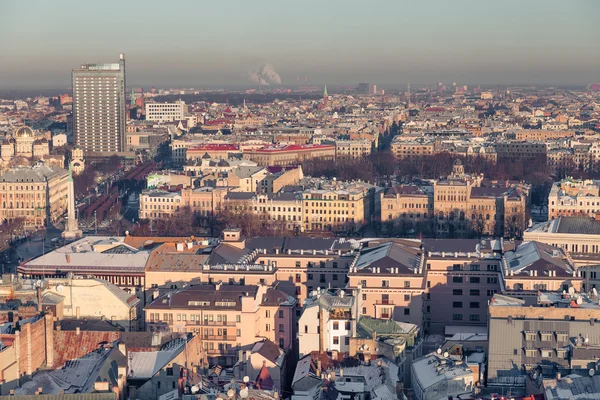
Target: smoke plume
265,75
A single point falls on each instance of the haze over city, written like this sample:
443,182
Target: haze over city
331,42
312,200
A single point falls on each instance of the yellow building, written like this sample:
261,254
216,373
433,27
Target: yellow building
38,194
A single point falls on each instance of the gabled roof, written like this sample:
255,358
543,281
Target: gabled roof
387,256
144,365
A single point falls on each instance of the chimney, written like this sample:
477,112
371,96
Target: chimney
68,257
77,331
101,386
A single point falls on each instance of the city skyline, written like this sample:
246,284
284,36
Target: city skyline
334,43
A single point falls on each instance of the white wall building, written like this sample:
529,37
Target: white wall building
165,112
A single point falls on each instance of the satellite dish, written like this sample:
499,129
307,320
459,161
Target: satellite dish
60,288
586,340
38,283
579,301
231,393
446,354
195,389
439,351
246,379
592,372
571,290
244,393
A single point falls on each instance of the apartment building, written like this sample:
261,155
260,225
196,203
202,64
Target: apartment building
159,204
165,112
407,150
461,277
574,197
227,317
520,149
407,204
387,278
327,322
289,155
547,333
340,206
303,263
542,134
352,148
534,266
37,194
281,208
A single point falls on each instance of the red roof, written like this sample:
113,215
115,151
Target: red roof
215,146
294,147
435,109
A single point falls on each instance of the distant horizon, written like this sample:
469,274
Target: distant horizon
335,88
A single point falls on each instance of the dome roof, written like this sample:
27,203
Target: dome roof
23,132
457,162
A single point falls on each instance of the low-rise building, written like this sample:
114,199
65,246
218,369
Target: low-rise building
572,197
437,376
352,148
289,155
226,317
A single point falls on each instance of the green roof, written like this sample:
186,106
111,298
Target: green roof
384,327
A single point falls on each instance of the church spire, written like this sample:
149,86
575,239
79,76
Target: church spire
325,91
132,97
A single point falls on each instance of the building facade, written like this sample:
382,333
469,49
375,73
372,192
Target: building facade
99,115
165,112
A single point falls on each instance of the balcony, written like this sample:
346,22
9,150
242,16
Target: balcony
220,352
384,303
219,337
344,315
210,323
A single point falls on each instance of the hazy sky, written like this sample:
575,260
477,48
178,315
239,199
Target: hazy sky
214,42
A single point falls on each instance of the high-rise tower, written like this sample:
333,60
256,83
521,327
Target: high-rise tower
99,112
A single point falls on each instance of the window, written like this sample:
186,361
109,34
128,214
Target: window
474,292
474,317
364,310
385,283
336,340
530,336
407,297
238,332
457,317
406,284
457,292
363,283
407,311
456,267
267,327
280,313
348,325
336,326
457,304
530,352
474,279
282,343
474,267
492,279
305,328
298,264
267,314
335,277
347,341
491,292
546,337
562,337
457,279
281,328
547,353
474,304
364,297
